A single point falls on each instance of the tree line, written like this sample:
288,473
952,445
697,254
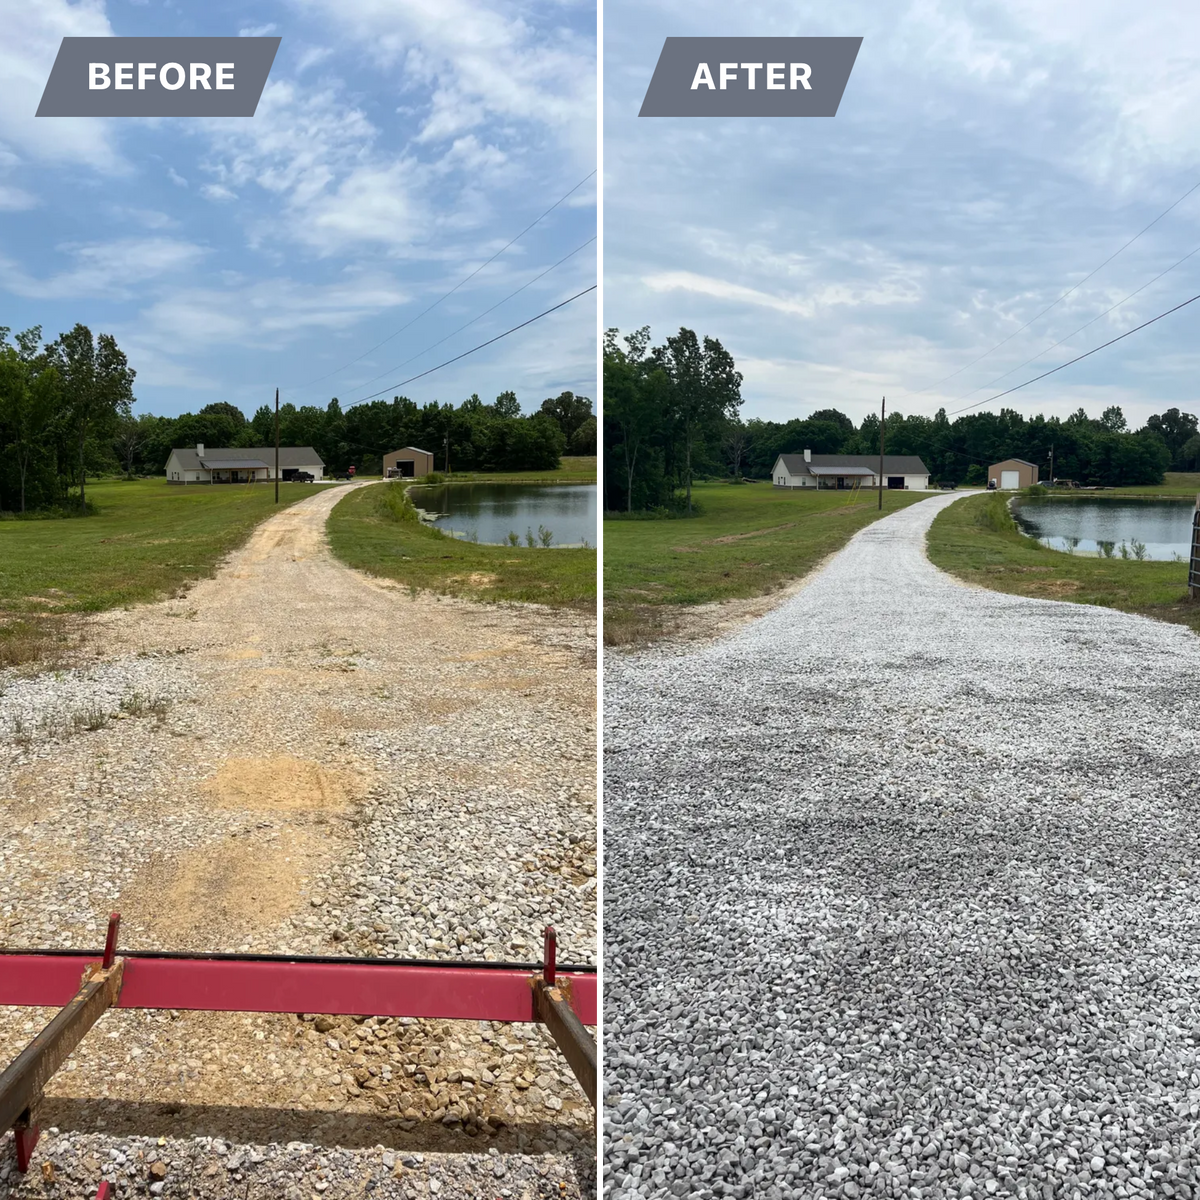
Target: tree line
66,415
668,420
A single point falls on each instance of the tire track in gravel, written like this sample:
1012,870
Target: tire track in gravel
309,760
902,893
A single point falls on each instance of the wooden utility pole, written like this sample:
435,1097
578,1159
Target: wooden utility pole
447,452
276,445
882,416
1051,464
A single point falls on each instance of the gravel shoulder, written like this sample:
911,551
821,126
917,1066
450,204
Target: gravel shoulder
295,757
902,884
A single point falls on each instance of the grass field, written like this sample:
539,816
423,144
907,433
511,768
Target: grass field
977,540
147,540
750,539
1177,483
365,533
578,469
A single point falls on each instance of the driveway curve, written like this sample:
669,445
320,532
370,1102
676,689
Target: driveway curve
902,896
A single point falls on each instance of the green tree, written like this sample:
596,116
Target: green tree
507,406
28,392
97,388
569,410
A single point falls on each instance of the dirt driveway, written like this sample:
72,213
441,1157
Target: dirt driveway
297,757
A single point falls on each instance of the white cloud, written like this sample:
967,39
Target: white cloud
214,191
479,60
30,40
259,30
13,199
268,314
111,270
175,177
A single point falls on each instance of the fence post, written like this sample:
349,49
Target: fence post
1194,565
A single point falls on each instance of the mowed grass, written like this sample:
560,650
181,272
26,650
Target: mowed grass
573,469
363,535
1177,483
749,540
147,541
977,541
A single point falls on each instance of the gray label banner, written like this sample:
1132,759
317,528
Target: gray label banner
750,77
158,76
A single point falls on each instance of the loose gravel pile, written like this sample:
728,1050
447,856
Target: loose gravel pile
902,893
295,758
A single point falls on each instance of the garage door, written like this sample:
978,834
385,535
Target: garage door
1010,479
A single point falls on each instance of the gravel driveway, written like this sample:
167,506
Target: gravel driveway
902,897
295,757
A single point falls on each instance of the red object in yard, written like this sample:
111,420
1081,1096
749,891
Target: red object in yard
350,472
105,1190
349,986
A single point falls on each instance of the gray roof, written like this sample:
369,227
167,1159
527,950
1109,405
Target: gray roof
416,448
1022,461
224,458
893,464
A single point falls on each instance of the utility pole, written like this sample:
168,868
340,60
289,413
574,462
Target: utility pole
447,452
882,416
276,445
1051,464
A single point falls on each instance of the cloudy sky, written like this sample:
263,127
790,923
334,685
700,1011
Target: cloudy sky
986,157
397,146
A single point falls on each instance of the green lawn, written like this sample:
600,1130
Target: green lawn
148,539
364,534
978,541
578,469
1177,483
750,539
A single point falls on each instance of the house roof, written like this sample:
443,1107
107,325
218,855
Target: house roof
289,456
893,464
1022,461
416,448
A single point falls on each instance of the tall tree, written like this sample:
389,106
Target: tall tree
27,397
97,388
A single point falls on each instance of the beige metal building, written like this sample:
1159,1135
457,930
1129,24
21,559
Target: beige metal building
407,463
1012,474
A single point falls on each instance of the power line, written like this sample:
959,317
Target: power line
467,279
413,378
528,283
1088,354
1086,325
1065,294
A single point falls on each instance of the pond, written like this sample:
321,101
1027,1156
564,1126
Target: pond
1105,523
489,512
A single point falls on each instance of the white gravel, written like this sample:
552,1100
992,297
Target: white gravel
902,893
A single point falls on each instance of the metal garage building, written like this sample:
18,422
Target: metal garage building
407,463
1013,474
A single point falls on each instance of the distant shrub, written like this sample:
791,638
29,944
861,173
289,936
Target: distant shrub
1034,491
394,505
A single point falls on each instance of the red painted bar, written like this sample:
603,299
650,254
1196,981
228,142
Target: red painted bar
383,989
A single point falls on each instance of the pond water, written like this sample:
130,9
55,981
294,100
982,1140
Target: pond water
1164,527
489,512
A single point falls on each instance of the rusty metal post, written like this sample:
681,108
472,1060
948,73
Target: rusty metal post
552,1007
22,1082
1194,564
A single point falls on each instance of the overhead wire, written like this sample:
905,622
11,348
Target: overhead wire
1078,358
528,283
466,279
465,353
1085,325
1044,311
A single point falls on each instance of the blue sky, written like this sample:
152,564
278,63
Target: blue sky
398,145
985,158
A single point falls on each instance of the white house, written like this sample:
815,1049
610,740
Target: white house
901,471
241,465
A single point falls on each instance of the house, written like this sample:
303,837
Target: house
905,471
407,463
201,465
1012,474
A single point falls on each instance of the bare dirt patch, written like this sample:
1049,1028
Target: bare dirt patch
282,783
238,885
753,533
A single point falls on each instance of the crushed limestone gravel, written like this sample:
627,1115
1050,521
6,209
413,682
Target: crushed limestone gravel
902,897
